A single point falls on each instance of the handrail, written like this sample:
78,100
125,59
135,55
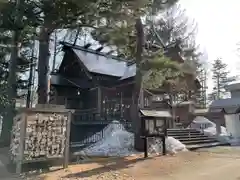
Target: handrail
86,110
84,115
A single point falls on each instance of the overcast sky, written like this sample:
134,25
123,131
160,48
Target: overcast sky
218,29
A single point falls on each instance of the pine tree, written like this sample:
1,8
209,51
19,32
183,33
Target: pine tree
220,79
21,83
14,40
51,15
201,94
174,27
127,35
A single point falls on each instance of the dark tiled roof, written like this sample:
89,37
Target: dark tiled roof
106,65
230,105
222,103
101,63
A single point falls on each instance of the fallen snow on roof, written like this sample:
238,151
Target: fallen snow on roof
156,113
129,72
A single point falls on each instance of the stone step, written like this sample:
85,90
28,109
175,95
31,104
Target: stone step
204,145
189,136
182,130
184,133
193,138
187,142
183,139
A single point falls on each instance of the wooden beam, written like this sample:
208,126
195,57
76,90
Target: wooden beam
109,52
121,103
141,98
67,143
99,49
20,156
87,45
99,100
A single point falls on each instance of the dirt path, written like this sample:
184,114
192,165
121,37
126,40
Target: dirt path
216,164
214,168
4,174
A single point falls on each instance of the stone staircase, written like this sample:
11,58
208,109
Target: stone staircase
194,139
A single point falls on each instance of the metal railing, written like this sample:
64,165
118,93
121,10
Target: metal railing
201,126
96,137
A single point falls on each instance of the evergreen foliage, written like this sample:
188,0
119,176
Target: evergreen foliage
220,79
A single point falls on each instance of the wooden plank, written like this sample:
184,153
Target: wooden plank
164,150
41,160
67,143
121,103
15,120
45,133
41,108
141,99
22,143
49,106
145,147
28,118
99,99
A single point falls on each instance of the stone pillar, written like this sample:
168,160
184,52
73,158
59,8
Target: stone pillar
218,128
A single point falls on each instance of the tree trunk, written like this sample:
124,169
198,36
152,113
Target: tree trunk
218,88
30,79
12,93
5,138
43,65
55,50
138,85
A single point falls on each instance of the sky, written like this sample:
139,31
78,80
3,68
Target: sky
218,29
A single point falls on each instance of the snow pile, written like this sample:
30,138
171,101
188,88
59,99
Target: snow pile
201,122
108,130
207,126
119,142
174,146
211,131
116,141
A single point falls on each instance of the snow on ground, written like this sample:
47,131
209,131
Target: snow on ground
208,127
108,130
117,141
174,146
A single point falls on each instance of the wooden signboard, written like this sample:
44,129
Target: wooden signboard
154,125
40,134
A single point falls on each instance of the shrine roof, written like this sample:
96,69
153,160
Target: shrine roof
106,65
156,113
222,103
229,105
103,63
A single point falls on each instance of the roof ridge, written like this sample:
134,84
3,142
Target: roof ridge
77,47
